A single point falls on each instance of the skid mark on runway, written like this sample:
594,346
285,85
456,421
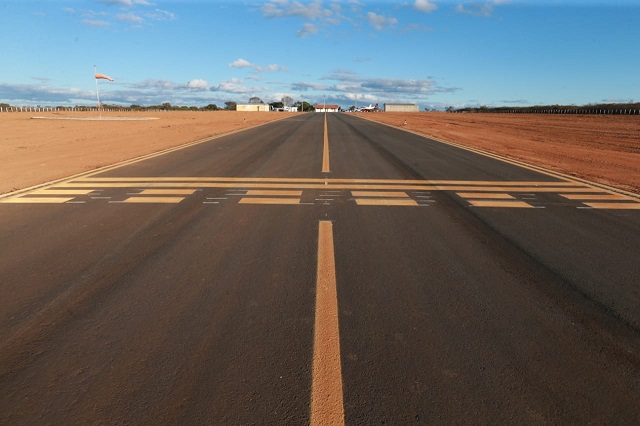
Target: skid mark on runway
321,191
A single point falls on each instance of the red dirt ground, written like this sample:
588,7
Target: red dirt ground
600,148
603,149
38,151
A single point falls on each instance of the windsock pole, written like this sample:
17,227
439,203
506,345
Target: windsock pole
95,71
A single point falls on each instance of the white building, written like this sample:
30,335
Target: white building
252,107
326,108
401,108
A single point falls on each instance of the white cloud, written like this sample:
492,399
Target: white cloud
232,86
360,98
27,94
415,27
343,75
117,2
126,2
478,8
156,84
130,17
240,63
425,5
307,29
515,101
314,11
133,12
269,68
243,63
350,82
380,22
285,8
618,101
95,23
304,86
198,84
161,15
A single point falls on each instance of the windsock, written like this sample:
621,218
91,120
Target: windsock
106,77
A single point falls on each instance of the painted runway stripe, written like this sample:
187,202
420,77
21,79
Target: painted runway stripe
614,206
38,200
167,192
473,195
379,194
275,193
269,201
509,204
327,406
152,200
61,192
325,150
383,202
596,197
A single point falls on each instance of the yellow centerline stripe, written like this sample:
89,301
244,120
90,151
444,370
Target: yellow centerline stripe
327,407
325,150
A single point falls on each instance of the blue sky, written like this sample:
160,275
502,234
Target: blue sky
435,53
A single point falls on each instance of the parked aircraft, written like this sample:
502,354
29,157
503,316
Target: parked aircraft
370,108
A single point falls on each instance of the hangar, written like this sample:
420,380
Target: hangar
401,108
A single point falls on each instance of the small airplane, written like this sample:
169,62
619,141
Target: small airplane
370,108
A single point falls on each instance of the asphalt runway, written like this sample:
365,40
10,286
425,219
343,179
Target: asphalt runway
320,270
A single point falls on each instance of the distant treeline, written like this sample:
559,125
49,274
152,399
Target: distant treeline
625,109
106,107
